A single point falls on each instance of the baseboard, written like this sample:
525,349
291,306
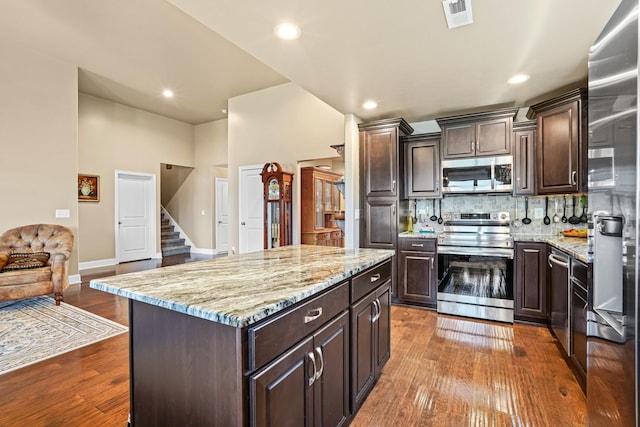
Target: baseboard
75,279
203,251
97,263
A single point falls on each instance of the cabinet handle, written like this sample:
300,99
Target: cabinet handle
313,315
574,178
415,245
393,210
321,357
312,378
473,146
375,278
376,305
553,259
432,263
393,185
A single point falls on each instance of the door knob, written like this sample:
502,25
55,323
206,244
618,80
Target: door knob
243,223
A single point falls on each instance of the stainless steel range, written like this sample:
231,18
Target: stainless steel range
475,266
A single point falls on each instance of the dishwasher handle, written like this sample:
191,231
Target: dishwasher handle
555,259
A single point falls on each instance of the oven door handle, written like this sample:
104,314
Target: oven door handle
464,250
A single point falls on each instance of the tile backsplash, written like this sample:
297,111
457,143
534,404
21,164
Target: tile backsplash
504,203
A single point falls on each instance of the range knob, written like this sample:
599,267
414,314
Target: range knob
503,215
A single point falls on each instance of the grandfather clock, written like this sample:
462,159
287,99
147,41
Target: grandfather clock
277,205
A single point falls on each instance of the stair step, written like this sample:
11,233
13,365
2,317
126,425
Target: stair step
172,242
176,250
169,235
164,222
167,228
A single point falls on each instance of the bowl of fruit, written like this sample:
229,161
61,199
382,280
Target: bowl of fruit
572,232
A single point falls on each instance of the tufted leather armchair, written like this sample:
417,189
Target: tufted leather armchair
53,278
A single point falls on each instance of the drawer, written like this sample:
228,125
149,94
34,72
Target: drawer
336,234
420,244
270,339
370,280
579,272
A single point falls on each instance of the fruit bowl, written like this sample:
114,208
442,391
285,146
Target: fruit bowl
572,232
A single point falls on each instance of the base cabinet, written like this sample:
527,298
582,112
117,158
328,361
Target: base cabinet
417,263
531,281
309,384
370,342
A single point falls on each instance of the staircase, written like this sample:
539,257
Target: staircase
171,243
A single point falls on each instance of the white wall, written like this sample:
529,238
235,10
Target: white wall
283,124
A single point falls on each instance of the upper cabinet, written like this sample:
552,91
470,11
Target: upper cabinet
477,135
422,166
561,139
379,156
524,164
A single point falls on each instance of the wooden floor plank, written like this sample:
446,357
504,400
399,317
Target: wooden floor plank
443,371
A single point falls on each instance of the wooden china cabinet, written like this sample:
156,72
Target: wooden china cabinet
277,205
321,205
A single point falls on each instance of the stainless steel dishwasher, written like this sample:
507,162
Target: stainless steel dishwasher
560,263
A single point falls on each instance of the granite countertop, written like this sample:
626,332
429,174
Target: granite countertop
239,290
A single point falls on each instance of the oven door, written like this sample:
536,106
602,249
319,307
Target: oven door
477,286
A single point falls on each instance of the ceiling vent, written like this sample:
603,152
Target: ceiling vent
457,12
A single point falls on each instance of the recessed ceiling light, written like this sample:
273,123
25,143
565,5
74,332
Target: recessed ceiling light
288,31
167,93
369,105
518,78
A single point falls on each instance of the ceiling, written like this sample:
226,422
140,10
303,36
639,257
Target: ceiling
400,54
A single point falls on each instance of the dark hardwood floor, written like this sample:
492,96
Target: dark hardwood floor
443,371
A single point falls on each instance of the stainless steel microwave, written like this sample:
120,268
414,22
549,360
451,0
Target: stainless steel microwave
478,175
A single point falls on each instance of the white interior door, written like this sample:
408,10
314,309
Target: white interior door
135,216
251,210
222,214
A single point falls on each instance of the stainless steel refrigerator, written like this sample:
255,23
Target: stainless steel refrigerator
612,347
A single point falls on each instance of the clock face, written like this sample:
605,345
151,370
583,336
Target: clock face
274,189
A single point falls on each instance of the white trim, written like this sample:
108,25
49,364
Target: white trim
97,263
205,251
152,202
75,279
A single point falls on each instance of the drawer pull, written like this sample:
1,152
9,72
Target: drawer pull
415,245
375,278
312,378
313,315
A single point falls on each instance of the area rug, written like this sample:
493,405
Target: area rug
35,329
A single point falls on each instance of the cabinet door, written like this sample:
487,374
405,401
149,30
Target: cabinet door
328,196
559,298
423,169
531,281
382,328
380,223
493,137
557,144
458,140
380,157
416,278
524,163
331,389
579,326
362,343
280,393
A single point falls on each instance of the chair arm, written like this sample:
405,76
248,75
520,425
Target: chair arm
59,276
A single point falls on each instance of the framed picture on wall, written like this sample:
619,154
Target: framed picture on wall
88,188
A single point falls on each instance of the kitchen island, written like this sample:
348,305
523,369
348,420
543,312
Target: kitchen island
290,336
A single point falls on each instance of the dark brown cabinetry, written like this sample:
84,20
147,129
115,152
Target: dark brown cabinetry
480,134
320,202
531,281
309,384
524,158
370,332
384,212
561,155
580,277
417,264
422,165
